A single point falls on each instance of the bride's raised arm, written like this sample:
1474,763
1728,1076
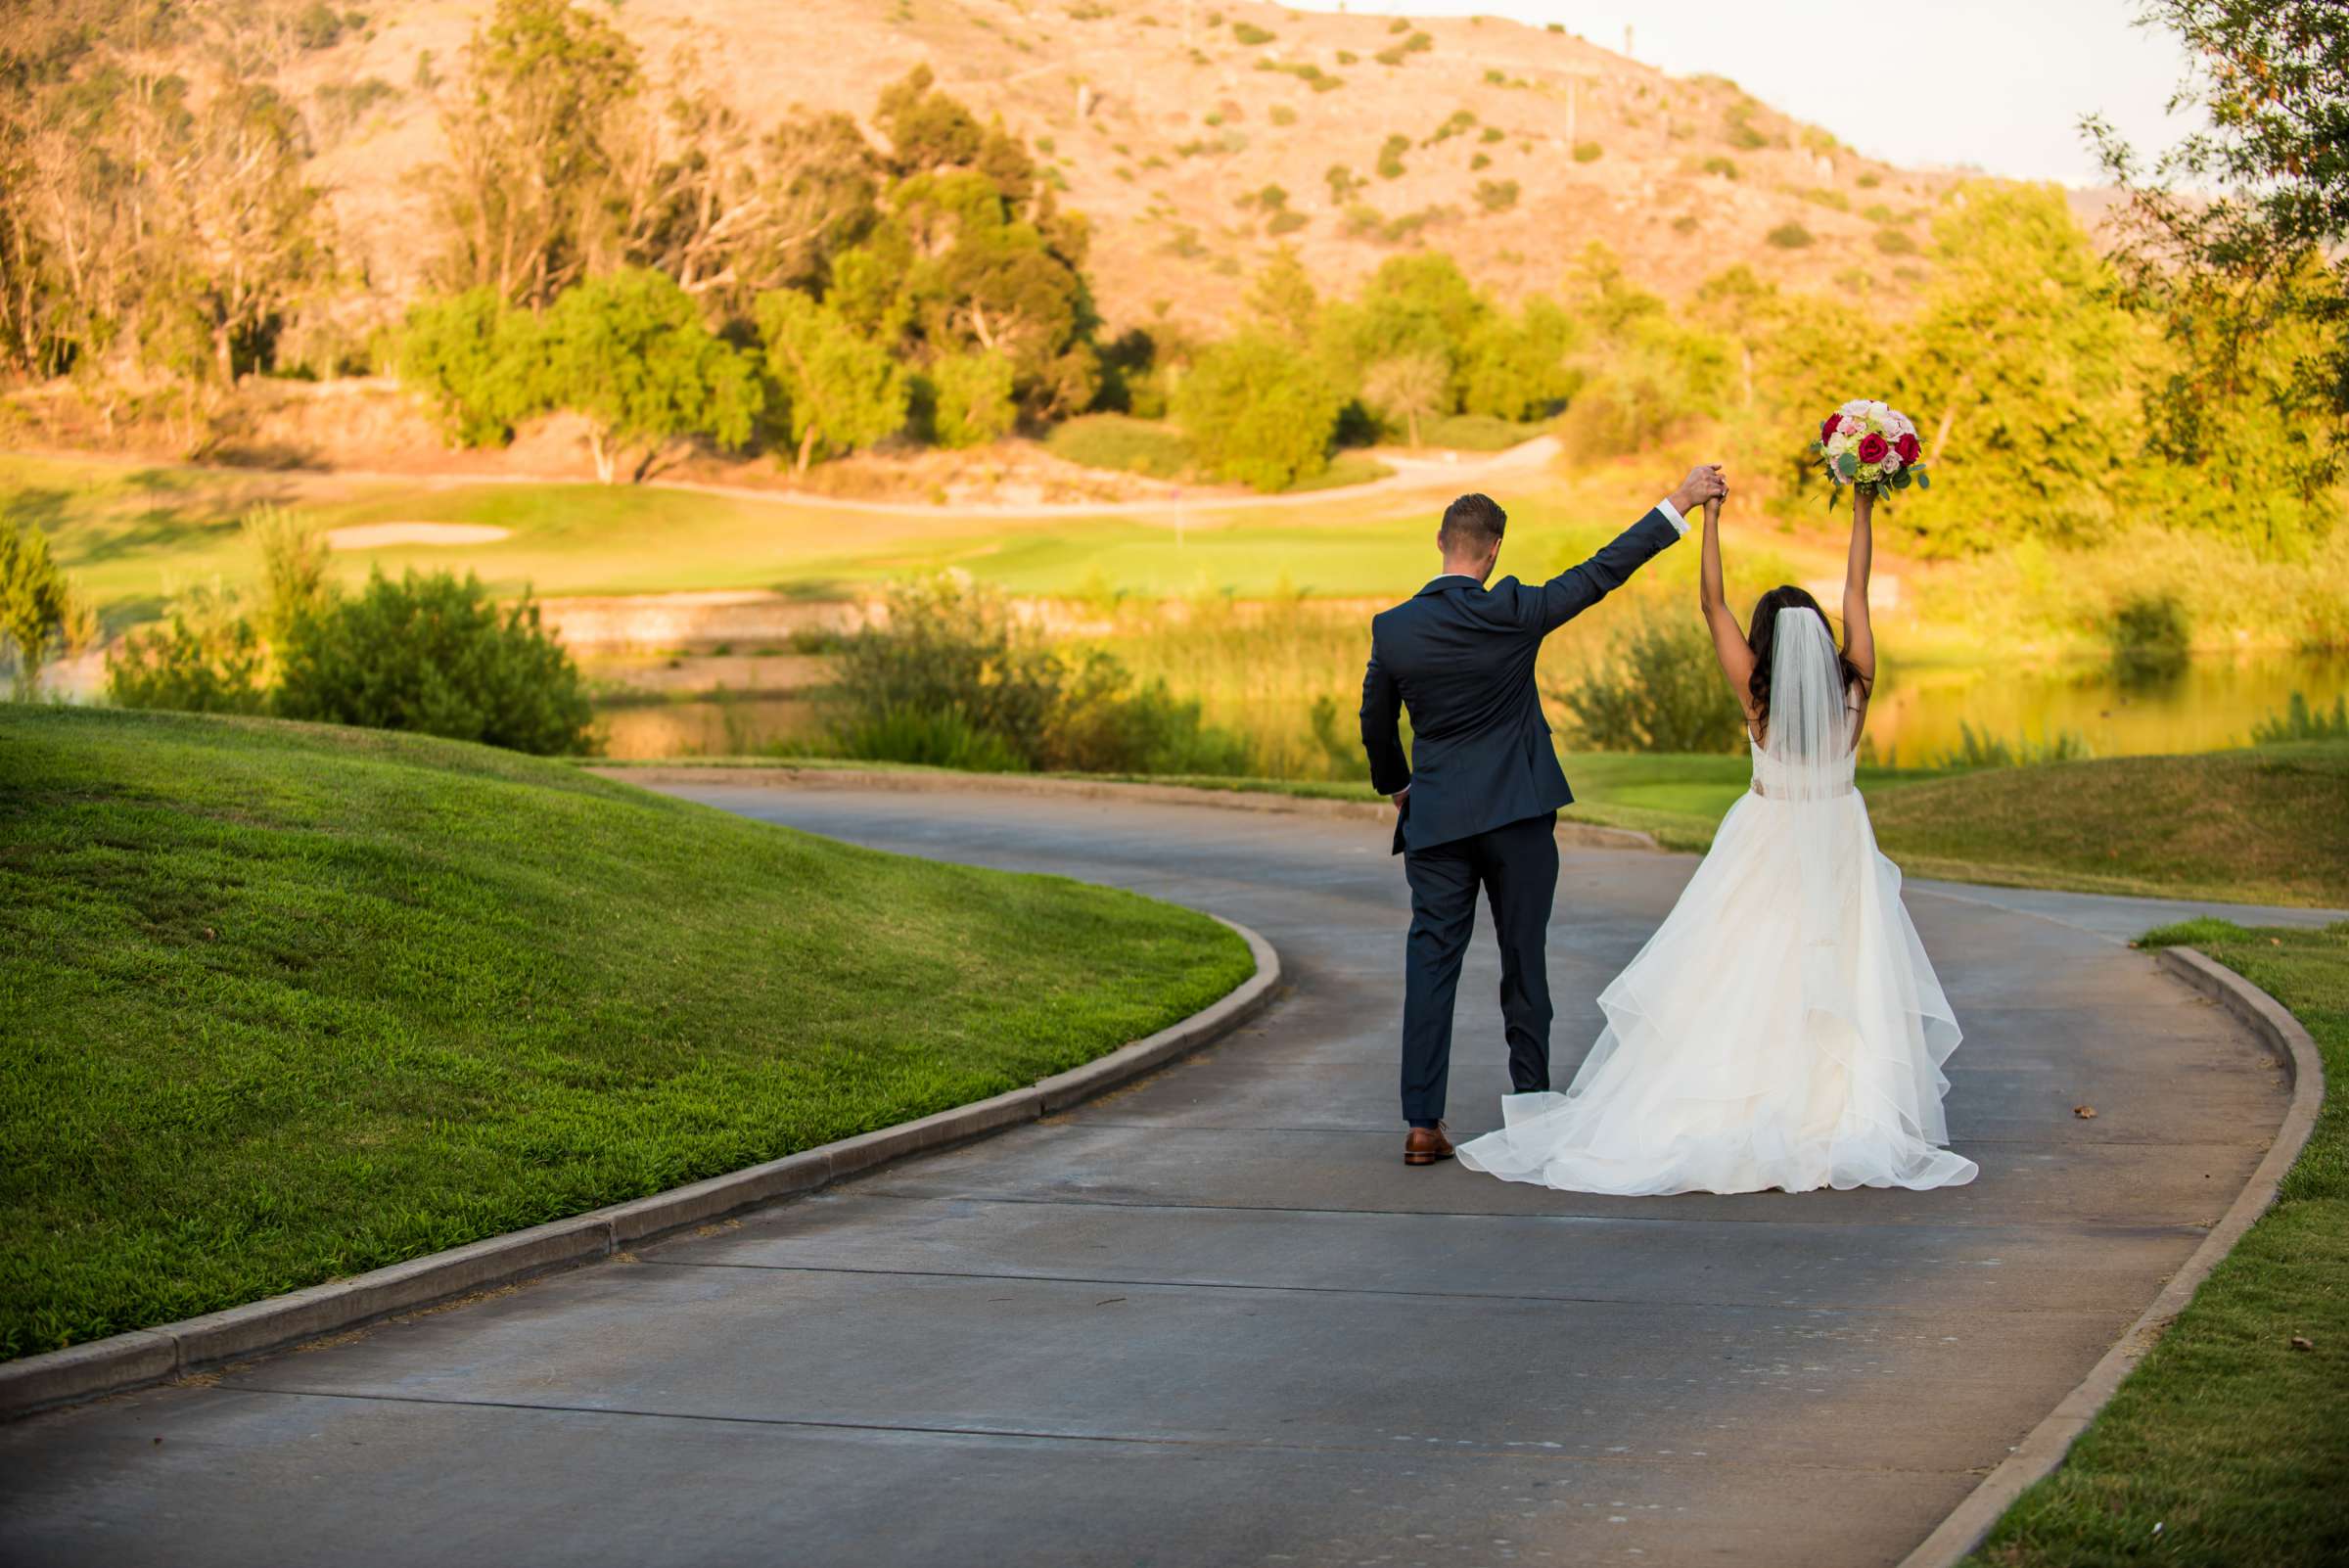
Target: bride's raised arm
1859,638
1728,639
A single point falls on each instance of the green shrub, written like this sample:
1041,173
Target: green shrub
952,679
2150,639
1894,242
1869,181
971,398
1985,750
1658,689
1493,133
1497,195
39,612
1285,222
1726,168
436,656
1588,152
1390,157
1128,446
2299,722
1790,237
205,658
1249,33
926,739
1259,412
1833,201
1105,724
1480,160
1283,115
1737,128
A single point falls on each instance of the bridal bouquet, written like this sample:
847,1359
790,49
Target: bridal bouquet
1871,448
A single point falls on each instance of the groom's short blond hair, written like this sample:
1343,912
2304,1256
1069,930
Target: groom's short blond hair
1473,523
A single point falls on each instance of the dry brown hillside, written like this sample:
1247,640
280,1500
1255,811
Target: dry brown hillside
1161,116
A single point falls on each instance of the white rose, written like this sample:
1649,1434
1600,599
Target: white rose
1876,410
1840,444
1858,405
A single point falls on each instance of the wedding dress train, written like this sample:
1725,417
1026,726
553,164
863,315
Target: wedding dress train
1784,1026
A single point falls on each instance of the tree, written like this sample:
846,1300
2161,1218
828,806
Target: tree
1413,304
1517,369
2019,377
1282,297
244,223
1259,412
969,252
2261,261
631,352
38,613
973,399
842,390
479,360
531,159
1408,388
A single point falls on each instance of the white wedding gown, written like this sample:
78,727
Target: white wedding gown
1784,1026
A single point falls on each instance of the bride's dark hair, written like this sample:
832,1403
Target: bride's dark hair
1763,636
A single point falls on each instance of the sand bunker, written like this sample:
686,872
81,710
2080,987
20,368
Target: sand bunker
376,535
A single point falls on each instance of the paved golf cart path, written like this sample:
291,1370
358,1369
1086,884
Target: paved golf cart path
1211,1319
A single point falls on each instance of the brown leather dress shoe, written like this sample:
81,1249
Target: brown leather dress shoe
1425,1145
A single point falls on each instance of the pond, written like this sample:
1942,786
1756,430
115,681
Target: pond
1919,710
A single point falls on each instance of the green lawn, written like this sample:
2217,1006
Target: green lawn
131,536
2227,1446
2266,824
286,1002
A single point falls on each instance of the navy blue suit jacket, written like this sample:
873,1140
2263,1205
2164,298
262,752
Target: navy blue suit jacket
1460,657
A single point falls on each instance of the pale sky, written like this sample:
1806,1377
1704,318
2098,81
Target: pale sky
1996,84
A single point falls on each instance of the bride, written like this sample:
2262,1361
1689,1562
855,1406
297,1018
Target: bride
1784,1026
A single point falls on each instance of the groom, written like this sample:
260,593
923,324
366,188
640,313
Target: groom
1477,803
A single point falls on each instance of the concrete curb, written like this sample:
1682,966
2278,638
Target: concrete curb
2043,1447
174,1350
1585,835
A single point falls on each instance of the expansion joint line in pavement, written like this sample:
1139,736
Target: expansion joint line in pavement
1825,1308
1948,1223
1520,1448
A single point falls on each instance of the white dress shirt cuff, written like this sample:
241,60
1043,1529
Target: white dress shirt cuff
1672,514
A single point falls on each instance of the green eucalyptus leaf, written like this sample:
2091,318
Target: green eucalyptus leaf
1924,480
1847,465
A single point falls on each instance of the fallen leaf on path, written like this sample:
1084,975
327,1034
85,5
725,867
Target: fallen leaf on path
2085,1113
2302,1343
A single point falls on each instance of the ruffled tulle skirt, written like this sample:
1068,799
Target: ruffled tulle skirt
1783,1028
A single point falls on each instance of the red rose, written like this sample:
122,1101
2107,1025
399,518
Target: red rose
1826,429
1872,447
1908,446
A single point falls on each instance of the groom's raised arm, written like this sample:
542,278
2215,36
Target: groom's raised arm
1579,587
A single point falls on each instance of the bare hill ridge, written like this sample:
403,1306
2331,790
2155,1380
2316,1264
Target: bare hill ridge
1517,146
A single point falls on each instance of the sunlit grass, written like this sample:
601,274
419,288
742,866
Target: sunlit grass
285,1002
2229,1442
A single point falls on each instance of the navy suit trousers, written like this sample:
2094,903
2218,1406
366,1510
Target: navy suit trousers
1516,864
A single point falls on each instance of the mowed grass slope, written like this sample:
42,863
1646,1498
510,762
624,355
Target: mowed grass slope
133,537
2229,1444
2266,824
288,1002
